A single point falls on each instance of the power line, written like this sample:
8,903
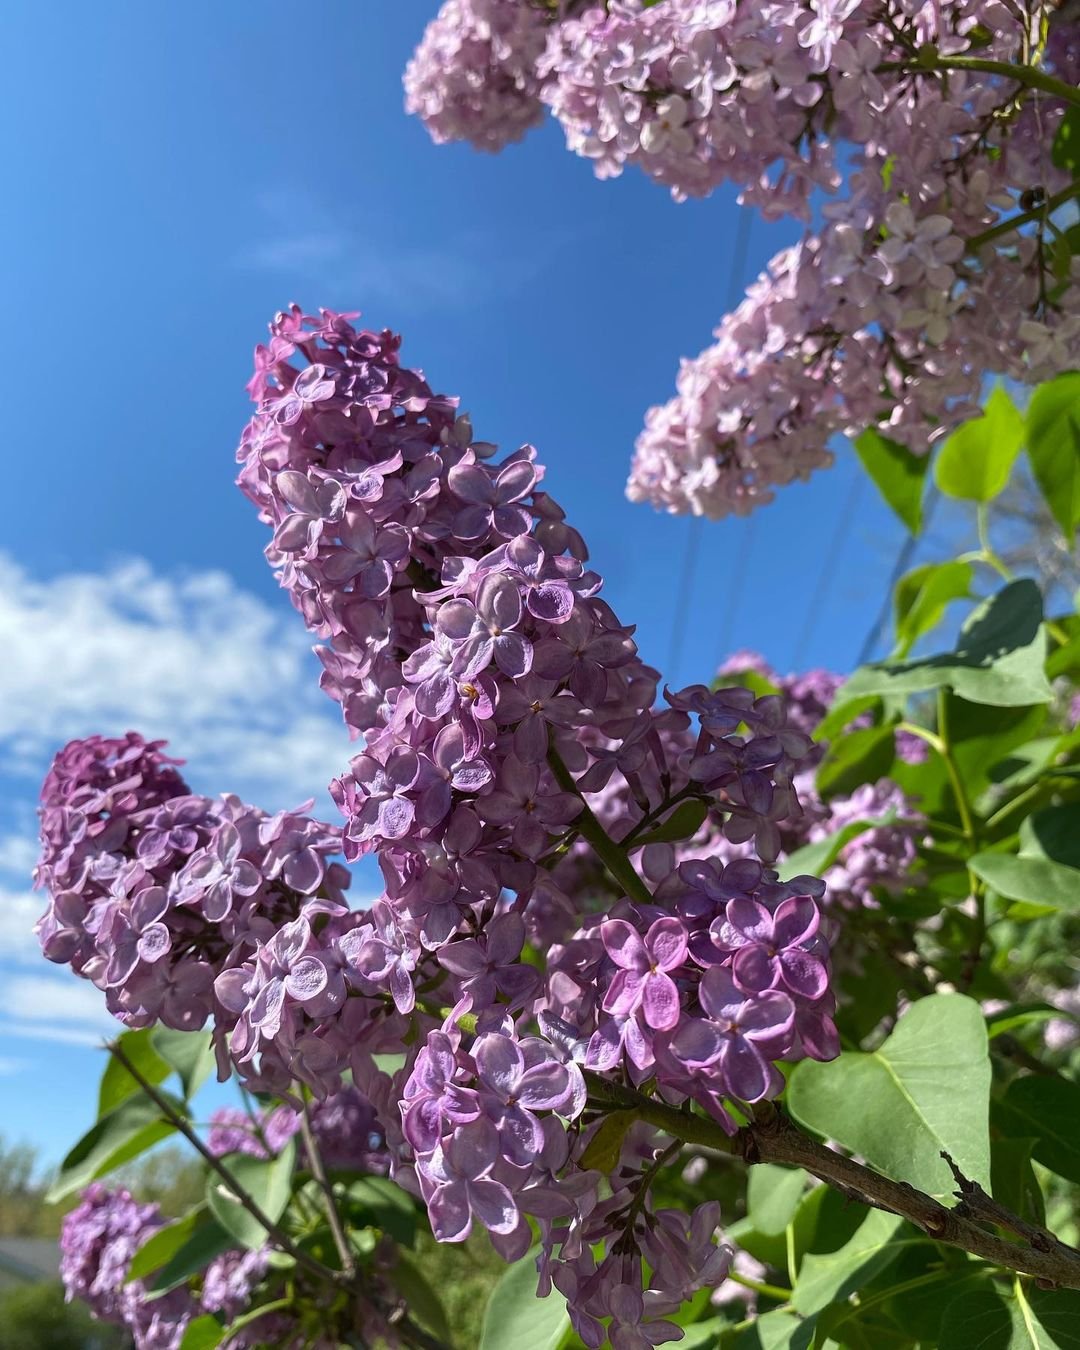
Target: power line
899,567
827,571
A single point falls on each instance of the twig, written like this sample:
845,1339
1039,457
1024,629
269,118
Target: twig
977,1205
318,1171
243,1198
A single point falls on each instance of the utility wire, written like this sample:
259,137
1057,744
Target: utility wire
739,250
900,566
827,571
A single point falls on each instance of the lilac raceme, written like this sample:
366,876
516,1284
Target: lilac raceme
909,289
511,731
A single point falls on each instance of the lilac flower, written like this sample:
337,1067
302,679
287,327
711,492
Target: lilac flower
770,949
522,799
488,965
316,503
484,631
643,980
383,953
218,874
491,500
139,935
459,1170
738,1035
517,1079
368,556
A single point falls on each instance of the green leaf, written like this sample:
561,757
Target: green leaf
421,1300
603,1149
205,1240
163,1244
1032,1320
924,1090
1018,1015
269,1183
189,1053
841,713
1036,881
117,1085
998,657
515,1319
813,859
773,1195
1053,442
1065,151
1053,833
133,1127
683,823
828,1276
1015,1184
1047,1110
899,475
975,461
922,596
204,1333
381,1203
777,1331
861,756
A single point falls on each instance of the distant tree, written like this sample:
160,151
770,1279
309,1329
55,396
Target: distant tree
35,1317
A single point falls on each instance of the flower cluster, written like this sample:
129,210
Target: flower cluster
154,891
914,286
345,1128
98,1240
473,77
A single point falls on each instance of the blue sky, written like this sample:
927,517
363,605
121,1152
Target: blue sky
174,174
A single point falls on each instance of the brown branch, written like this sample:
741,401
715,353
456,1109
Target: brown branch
773,1138
318,1171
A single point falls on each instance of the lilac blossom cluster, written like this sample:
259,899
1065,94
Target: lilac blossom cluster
100,1237
913,287
474,78
497,693
345,1128
154,891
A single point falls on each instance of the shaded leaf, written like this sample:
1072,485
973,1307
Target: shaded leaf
1037,881
855,758
1053,833
1032,1320
603,1149
1015,1184
1046,1110
827,1277
777,1331
381,1203
683,823
813,859
998,658
204,1333
926,1089
1065,151
773,1195
422,1301
921,598
133,1127
206,1240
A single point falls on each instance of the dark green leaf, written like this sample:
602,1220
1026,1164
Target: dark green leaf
1018,1015
683,823
773,1195
422,1301
1030,1320
813,859
975,461
825,1278
1037,881
268,1181
204,1333
381,1203
855,758
924,1090
206,1240
117,1085
841,714
163,1244
777,1331
1053,441
998,658
898,474
515,1319
189,1053
921,598
1047,1110
1015,1184
133,1127
1053,833
1066,148
603,1149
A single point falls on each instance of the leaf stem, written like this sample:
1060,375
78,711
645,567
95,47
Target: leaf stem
318,1171
760,1287
1028,76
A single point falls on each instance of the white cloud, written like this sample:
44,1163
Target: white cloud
58,1007
19,911
230,682
63,1035
18,854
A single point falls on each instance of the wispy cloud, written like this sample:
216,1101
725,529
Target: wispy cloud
231,683
19,911
337,257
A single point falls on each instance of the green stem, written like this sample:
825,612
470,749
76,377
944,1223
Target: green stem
760,1287
988,556
318,1171
1036,213
1029,76
935,742
605,848
959,792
